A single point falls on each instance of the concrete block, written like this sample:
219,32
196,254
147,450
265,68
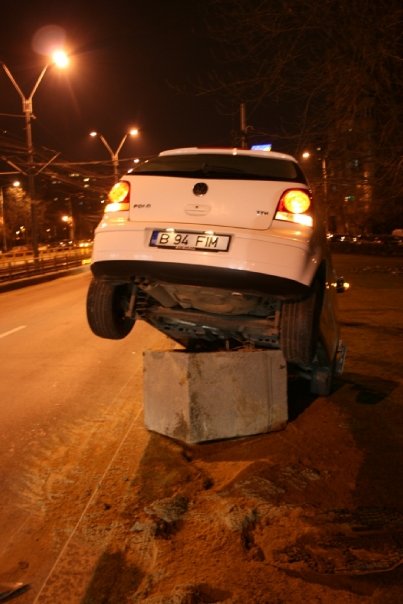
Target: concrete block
202,396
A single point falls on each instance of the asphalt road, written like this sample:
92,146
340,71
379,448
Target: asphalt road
71,412
65,395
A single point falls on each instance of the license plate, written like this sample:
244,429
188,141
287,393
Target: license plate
181,240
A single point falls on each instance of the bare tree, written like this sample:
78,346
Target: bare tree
333,70
17,218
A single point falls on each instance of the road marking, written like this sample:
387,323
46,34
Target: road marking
93,495
8,333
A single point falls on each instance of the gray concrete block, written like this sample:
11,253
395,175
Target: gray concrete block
202,396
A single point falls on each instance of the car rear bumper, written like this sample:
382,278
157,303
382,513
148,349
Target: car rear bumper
203,276
255,260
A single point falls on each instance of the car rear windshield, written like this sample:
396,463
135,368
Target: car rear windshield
232,167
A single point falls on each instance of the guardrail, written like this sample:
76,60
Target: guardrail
22,265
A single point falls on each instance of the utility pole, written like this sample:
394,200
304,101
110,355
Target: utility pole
60,59
3,221
115,154
325,189
244,140
27,111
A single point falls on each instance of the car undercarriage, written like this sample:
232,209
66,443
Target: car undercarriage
207,318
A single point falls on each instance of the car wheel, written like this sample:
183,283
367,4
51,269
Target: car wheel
106,307
322,380
299,328
325,371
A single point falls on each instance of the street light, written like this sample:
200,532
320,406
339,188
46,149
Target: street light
69,221
115,154
307,155
60,59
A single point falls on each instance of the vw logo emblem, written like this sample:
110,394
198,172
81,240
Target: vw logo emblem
200,188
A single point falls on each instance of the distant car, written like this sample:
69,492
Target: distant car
63,244
219,249
84,243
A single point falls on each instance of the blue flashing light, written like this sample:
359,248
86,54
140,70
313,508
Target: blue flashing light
264,147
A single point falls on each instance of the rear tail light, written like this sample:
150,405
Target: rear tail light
118,197
295,205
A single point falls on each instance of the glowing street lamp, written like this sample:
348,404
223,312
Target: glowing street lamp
69,221
307,155
60,59
115,154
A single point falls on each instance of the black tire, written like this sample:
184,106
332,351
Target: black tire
299,328
322,380
106,306
324,372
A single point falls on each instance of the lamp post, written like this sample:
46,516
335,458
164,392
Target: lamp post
307,155
115,154
69,221
60,59
3,222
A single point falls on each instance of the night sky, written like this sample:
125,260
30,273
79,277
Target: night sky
133,63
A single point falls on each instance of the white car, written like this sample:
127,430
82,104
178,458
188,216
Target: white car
219,249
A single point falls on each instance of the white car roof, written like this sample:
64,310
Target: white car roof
227,151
